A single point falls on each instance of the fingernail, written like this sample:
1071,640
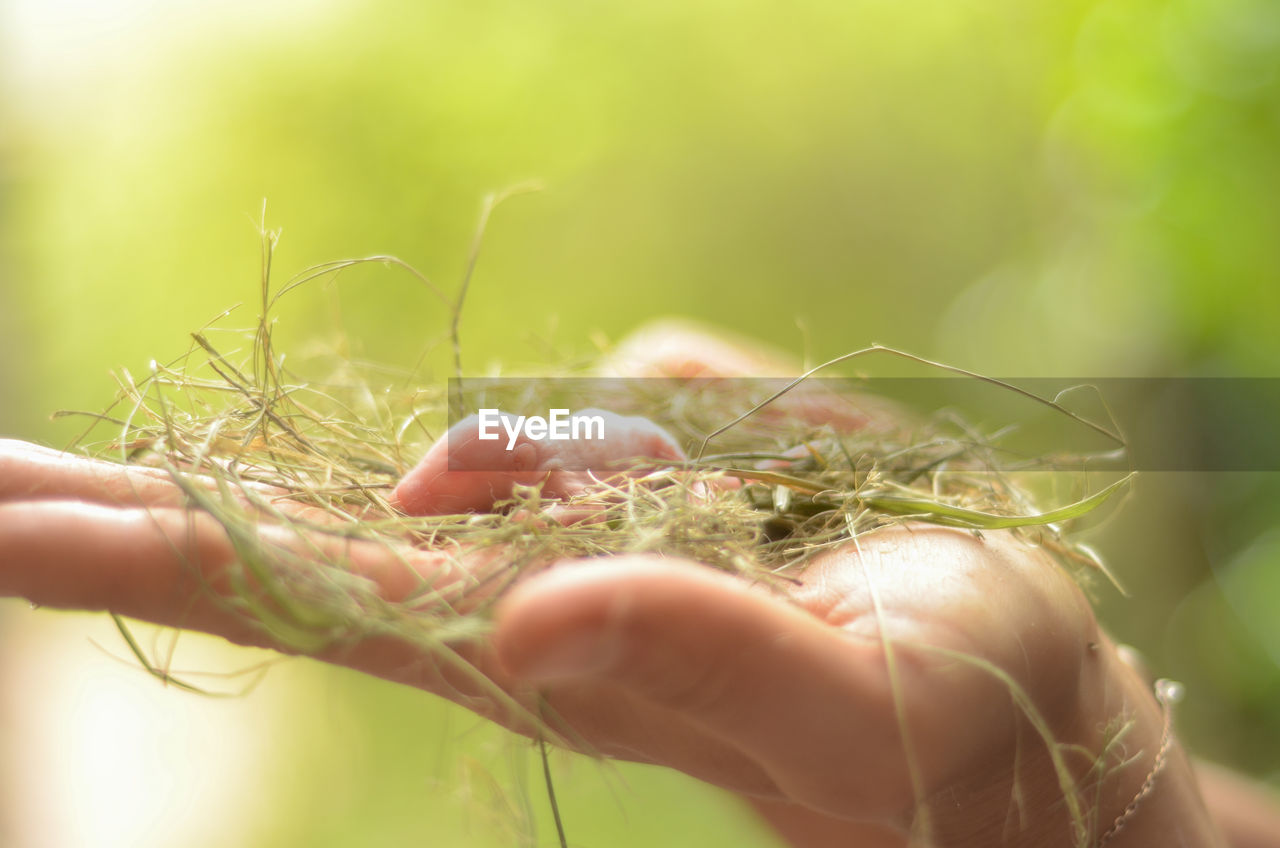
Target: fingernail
575,654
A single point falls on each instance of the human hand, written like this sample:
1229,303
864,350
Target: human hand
842,710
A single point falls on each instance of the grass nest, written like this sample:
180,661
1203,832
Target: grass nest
250,439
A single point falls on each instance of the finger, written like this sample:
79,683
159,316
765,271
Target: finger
808,702
31,472
174,566
684,349
170,567
477,463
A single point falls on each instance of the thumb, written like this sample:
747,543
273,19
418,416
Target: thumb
806,700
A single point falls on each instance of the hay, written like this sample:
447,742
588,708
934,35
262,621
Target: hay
250,438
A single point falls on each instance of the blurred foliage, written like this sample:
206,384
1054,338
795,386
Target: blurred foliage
1083,188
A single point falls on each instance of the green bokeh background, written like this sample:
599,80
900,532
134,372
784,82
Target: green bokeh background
1018,187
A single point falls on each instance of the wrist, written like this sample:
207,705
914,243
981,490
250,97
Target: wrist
1154,799
1114,777
1117,750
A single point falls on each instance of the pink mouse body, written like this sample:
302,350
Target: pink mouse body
463,472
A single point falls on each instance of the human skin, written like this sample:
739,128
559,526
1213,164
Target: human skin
464,473
788,701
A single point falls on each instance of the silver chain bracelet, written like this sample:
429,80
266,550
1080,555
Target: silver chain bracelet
1168,693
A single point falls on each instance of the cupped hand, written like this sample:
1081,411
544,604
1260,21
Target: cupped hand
924,680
